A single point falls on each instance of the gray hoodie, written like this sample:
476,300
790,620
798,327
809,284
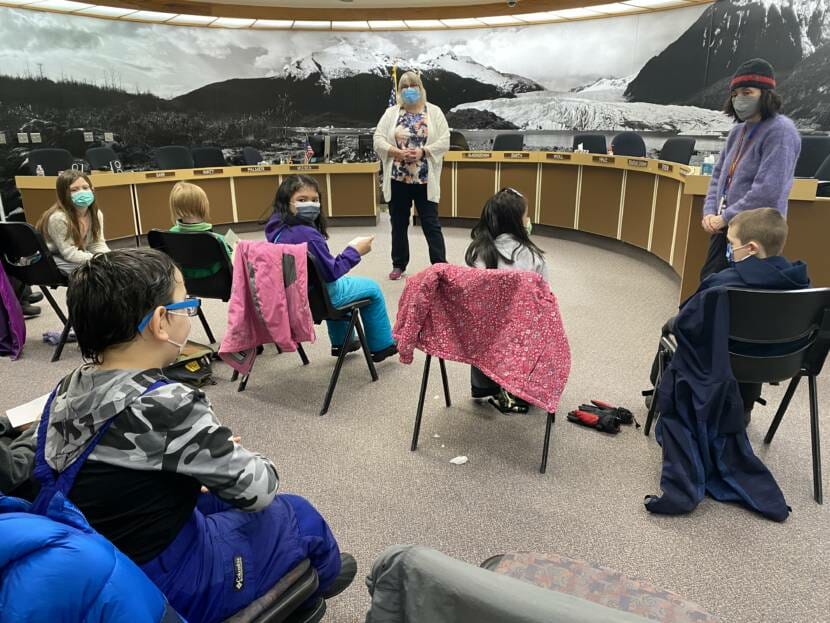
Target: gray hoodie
171,428
522,257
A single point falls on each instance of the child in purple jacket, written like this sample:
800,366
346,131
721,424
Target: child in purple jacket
297,218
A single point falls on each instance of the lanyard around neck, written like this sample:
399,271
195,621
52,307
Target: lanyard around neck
743,145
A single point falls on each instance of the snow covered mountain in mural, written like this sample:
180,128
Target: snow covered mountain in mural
560,111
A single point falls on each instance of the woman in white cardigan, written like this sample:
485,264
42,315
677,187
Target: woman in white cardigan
411,139
74,226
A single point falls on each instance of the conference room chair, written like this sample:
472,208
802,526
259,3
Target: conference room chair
101,158
794,326
207,157
204,263
323,309
53,160
814,151
174,157
823,177
251,156
594,143
628,144
678,149
458,142
509,142
365,145
26,257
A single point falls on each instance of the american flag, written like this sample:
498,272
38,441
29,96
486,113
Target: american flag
309,150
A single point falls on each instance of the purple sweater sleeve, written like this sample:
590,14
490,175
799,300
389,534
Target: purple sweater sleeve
331,267
774,177
710,205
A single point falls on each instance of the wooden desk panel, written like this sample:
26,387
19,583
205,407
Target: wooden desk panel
37,200
665,213
446,205
116,203
522,177
154,205
219,196
599,202
558,195
684,221
475,184
639,196
255,197
353,194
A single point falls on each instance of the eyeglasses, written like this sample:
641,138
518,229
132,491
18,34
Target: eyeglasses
188,307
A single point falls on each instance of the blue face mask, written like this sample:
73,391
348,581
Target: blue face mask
83,199
730,253
411,95
308,210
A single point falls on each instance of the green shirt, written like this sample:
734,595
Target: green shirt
192,228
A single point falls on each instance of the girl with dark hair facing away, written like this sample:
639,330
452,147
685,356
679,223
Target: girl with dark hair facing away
73,227
757,165
501,240
297,218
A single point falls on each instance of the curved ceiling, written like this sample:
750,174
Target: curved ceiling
350,14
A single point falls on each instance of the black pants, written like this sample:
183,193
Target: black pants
716,257
482,385
399,209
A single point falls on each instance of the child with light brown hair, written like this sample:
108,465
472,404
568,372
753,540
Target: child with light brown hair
190,211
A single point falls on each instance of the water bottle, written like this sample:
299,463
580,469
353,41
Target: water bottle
39,171
708,165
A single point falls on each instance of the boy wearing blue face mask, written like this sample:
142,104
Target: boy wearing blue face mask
755,241
298,218
73,227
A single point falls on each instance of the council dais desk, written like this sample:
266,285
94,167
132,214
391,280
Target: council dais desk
135,202
651,204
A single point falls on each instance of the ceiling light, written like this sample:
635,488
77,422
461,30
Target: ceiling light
61,5
647,4
499,20
387,24
617,7
232,22
425,23
15,2
547,16
106,11
311,25
273,23
350,25
461,23
192,20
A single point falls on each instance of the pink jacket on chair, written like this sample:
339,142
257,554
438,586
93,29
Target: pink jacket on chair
505,323
262,310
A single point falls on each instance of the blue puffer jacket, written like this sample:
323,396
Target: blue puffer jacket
65,572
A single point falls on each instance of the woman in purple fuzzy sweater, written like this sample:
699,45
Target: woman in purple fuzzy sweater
756,168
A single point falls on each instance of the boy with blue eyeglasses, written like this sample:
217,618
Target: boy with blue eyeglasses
134,452
755,241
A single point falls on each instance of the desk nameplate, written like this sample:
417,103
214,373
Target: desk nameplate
208,171
156,175
564,157
256,169
477,155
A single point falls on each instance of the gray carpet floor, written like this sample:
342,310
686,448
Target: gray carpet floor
355,465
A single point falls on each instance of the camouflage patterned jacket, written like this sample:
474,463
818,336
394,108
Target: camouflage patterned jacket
172,428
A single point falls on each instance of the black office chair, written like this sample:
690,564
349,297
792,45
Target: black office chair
281,603
795,325
53,160
628,144
251,156
678,149
458,142
204,263
26,257
174,157
323,309
365,145
509,142
102,158
823,177
594,143
814,151
204,157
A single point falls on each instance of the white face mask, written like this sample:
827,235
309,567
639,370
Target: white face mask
180,345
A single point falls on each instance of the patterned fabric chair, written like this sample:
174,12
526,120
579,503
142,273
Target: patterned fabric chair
600,585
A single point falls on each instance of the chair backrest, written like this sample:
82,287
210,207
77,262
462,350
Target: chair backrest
251,155
53,160
318,295
174,157
25,256
823,176
207,157
101,157
678,149
594,143
202,259
458,142
365,145
509,142
628,144
790,327
318,145
814,151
